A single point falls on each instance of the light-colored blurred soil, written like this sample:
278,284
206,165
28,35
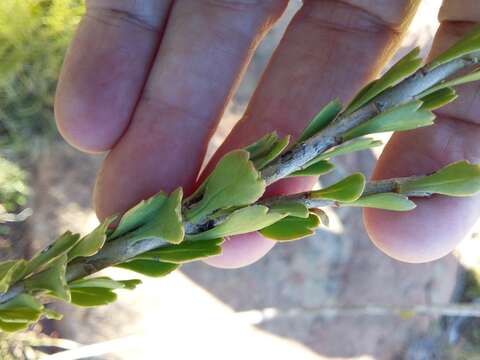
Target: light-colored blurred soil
207,313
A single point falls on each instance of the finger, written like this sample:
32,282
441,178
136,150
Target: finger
105,69
204,50
438,224
330,49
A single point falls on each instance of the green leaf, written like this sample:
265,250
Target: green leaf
149,267
385,201
13,326
22,308
321,120
346,190
248,219
139,215
60,247
457,179
167,224
95,296
90,244
130,284
292,228
52,279
8,269
403,68
347,148
101,281
233,182
290,208
316,169
438,98
185,252
474,76
275,151
262,146
52,314
470,43
400,118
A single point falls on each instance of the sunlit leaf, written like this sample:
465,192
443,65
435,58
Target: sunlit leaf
248,219
346,190
101,281
233,182
60,247
438,98
90,244
151,268
400,118
292,228
130,284
167,224
22,308
403,68
275,151
321,120
139,215
185,252
385,201
262,146
457,179
470,43
474,76
348,147
7,272
290,207
95,296
318,168
14,326
52,279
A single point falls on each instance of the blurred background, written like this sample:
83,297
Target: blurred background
332,296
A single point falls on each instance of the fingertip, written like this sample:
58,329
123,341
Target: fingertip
241,250
427,233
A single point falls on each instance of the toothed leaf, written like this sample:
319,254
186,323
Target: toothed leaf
185,252
248,219
292,228
22,308
346,190
403,117
60,247
385,201
404,67
438,98
139,215
457,179
90,244
52,279
95,296
316,169
167,224
150,268
8,269
470,43
233,182
321,120
261,161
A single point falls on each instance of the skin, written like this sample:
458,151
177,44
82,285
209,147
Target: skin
148,81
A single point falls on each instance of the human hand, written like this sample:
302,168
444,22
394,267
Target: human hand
149,80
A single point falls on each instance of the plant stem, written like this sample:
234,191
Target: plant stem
403,92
